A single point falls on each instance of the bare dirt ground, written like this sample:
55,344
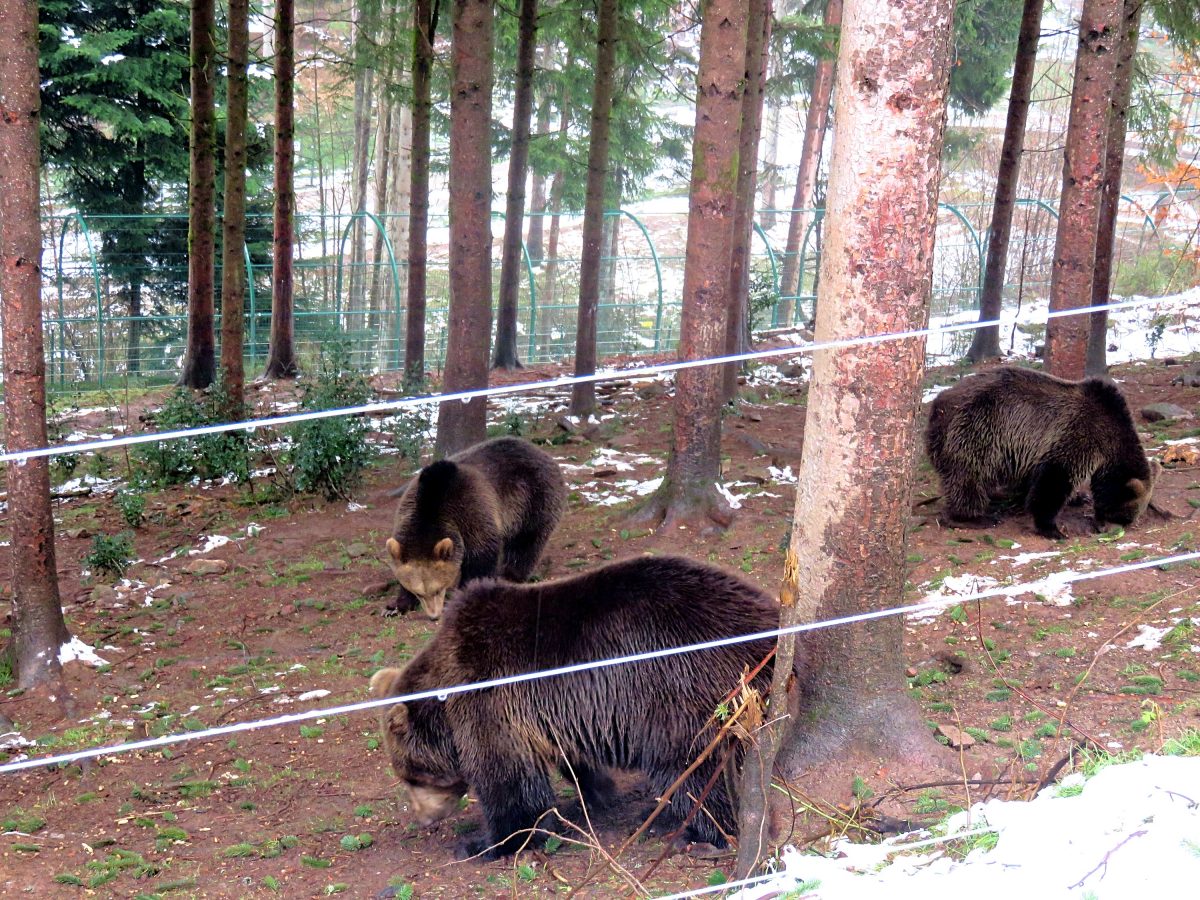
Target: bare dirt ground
311,810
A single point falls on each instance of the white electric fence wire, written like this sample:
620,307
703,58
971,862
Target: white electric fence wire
20,456
1048,584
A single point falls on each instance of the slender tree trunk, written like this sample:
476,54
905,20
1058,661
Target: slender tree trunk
199,361
400,176
361,162
986,342
38,626
383,163
233,267
537,194
737,338
133,352
514,211
425,21
855,479
462,424
688,496
1110,199
1083,182
281,354
810,158
550,288
770,167
583,396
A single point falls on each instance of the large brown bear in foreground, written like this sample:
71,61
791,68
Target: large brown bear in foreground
656,715
1022,431
486,511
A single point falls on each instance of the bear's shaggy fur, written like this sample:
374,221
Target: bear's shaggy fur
655,715
486,511
1030,434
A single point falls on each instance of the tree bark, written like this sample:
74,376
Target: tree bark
425,25
688,496
855,478
281,353
810,158
38,626
361,161
383,163
1110,199
537,194
233,267
737,337
1083,181
986,342
199,361
583,396
462,424
514,210
770,167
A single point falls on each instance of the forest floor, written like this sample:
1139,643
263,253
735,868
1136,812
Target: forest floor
294,622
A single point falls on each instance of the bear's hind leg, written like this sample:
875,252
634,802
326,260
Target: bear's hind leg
714,819
522,552
1049,491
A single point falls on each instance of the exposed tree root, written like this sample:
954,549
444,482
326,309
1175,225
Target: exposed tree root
702,510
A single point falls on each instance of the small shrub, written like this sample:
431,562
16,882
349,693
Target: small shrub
329,455
132,505
110,554
223,455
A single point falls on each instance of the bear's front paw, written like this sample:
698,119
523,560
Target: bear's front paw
1051,531
403,602
475,848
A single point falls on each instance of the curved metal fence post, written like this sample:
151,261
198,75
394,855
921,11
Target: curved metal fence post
658,313
818,215
391,256
532,301
958,213
774,269
87,239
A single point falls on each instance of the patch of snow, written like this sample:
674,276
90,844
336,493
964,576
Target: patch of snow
75,649
784,475
1022,558
354,507
1129,832
1148,637
952,586
313,695
211,542
254,529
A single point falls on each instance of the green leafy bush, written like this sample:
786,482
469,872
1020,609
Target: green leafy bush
110,554
132,504
222,455
328,456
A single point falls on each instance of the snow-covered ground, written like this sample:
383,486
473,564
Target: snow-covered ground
1132,830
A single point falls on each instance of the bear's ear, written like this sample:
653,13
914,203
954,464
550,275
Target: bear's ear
393,547
1136,487
443,549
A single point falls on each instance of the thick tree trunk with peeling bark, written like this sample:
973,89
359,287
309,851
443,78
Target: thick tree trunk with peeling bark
810,158
986,342
199,360
514,209
855,479
38,626
688,496
583,396
1083,183
737,336
281,351
1110,199
462,424
425,25
233,268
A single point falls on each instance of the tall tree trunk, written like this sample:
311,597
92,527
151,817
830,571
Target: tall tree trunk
514,209
199,361
986,342
537,194
383,164
361,161
233,267
281,353
583,396
38,626
855,479
770,167
737,338
462,424
688,496
133,351
400,176
1100,34
425,25
1110,199
550,285
810,158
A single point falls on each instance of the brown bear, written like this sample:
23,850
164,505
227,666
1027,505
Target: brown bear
654,715
486,511
1021,431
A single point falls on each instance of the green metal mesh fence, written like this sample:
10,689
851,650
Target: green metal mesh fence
115,297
